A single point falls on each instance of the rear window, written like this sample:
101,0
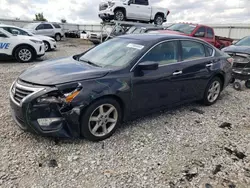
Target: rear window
209,51
192,50
56,25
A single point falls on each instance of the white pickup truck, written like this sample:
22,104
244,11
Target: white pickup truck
22,48
138,10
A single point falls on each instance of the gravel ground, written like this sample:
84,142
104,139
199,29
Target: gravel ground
192,146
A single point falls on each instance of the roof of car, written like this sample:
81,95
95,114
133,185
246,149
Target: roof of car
155,37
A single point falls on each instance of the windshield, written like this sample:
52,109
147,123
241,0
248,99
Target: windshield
243,42
183,28
30,26
117,52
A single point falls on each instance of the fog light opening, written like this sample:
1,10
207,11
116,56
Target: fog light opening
48,121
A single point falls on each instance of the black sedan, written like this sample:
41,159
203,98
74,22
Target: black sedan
90,94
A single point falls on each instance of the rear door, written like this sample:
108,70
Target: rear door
139,9
196,63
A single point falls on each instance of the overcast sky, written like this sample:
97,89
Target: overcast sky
86,11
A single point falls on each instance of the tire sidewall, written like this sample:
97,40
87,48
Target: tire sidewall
45,42
85,132
247,84
19,49
59,37
205,98
156,17
124,16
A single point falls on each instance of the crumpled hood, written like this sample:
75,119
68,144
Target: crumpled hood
237,49
61,71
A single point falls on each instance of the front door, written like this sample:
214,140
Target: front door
152,89
139,9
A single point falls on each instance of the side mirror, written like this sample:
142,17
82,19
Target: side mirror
200,34
129,2
148,65
234,42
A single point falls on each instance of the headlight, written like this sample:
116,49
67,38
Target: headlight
111,4
36,41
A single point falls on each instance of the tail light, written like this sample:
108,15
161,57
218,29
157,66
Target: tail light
168,12
230,60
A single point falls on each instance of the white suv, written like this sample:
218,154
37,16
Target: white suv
45,28
49,43
22,48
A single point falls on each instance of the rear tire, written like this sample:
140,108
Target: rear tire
96,117
24,54
58,37
213,91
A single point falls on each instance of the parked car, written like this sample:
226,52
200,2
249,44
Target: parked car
139,29
72,34
200,31
22,48
108,33
84,35
49,43
138,10
240,52
45,28
88,95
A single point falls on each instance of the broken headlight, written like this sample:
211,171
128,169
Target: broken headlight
60,97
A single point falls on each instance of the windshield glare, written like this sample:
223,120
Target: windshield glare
30,26
184,28
108,55
243,42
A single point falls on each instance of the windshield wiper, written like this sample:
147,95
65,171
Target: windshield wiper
89,62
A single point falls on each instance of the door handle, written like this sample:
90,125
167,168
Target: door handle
209,65
177,72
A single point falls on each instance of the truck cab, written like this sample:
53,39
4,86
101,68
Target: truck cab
203,32
137,10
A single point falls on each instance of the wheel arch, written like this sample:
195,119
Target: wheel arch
221,76
113,96
160,13
121,8
24,44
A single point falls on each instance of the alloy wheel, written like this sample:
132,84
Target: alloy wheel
214,91
25,54
103,120
119,16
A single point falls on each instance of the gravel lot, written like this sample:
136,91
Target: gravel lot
192,146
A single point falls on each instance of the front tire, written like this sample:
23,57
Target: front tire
159,19
213,91
119,15
47,46
24,54
100,120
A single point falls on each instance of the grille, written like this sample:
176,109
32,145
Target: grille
21,93
103,6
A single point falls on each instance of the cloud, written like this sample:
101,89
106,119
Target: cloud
86,11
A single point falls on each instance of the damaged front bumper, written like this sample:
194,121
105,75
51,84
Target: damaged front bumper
48,117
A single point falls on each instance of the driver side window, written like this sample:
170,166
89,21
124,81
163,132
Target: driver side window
200,32
164,53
